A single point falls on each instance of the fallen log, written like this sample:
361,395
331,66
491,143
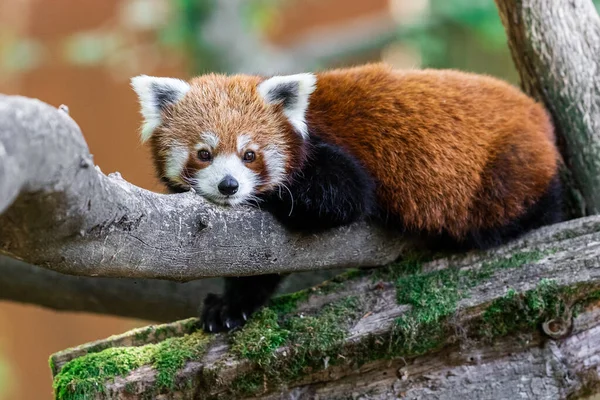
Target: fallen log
518,321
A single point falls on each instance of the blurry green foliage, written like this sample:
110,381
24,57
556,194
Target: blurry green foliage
91,48
185,31
18,54
260,13
461,34
480,16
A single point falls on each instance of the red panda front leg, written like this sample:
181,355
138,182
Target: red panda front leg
243,296
331,190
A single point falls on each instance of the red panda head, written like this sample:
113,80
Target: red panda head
228,137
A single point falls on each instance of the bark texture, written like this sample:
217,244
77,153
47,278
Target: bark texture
526,314
154,300
556,48
60,212
147,299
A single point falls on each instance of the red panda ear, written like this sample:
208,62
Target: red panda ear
293,92
154,95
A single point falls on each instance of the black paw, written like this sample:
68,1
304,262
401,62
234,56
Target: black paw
218,316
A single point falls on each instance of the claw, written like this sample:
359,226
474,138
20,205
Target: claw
210,327
244,316
227,324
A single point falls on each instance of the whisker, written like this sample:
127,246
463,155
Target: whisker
254,200
291,195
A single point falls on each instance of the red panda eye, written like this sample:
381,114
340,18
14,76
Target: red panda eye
249,156
204,155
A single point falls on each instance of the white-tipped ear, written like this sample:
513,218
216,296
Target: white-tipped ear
155,94
293,91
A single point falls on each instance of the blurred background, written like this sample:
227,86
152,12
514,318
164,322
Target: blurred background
82,53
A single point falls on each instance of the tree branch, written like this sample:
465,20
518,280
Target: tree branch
556,48
59,212
148,299
416,330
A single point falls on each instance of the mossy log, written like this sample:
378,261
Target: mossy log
521,321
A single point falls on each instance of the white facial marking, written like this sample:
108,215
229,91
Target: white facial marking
210,139
275,162
154,93
207,180
294,91
176,160
242,142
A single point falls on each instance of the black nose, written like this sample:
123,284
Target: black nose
228,186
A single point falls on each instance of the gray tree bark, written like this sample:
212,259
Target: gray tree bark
156,300
556,48
146,299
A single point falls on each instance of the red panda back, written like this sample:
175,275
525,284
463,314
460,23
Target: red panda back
450,151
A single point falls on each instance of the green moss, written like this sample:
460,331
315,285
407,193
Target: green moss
52,365
434,298
287,303
142,335
283,346
516,260
314,338
308,341
573,233
130,388
594,295
171,354
98,347
261,336
350,274
248,384
165,331
411,264
515,312
336,284
86,375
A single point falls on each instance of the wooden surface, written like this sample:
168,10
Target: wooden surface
553,359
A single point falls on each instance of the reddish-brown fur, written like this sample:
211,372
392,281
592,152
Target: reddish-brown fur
449,150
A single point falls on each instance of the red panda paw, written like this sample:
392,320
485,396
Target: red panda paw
242,297
218,316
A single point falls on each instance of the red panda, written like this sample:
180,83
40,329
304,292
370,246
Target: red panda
439,153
